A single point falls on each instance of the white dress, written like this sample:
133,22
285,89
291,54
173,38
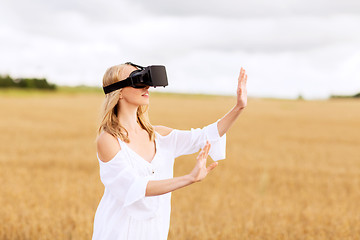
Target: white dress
124,212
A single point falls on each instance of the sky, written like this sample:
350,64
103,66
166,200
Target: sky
287,47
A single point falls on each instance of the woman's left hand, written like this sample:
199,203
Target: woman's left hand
241,90
200,170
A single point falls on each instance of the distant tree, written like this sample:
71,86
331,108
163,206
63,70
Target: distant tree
6,81
39,83
34,83
24,83
346,96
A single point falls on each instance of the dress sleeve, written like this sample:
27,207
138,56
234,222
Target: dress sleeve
190,141
122,181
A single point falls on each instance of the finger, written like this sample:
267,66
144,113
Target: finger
204,152
207,144
241,74
207,148
200,154
212,166
204,148
242,77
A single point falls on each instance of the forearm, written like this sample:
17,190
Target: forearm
159,187
228,120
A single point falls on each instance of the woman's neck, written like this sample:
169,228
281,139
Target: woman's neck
128,118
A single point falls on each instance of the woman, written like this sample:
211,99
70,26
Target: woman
136,160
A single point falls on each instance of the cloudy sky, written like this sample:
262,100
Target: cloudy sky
288,47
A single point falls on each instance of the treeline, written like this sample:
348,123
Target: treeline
344,96
37,83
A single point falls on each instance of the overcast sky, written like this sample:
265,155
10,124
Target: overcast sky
287,47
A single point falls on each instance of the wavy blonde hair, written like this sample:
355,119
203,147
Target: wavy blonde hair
109,120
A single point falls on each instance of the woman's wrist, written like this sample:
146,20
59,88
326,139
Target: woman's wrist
238,108
189,178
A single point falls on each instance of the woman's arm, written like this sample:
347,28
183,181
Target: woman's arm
200,171
228,120
159,187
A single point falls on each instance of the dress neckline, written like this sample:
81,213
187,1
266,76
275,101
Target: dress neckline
138,155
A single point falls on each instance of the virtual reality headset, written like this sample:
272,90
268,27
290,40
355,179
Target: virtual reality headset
153,76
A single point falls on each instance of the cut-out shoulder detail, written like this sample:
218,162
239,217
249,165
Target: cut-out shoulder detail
162,130
107,146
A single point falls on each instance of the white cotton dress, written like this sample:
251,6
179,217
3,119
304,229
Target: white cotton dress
124,212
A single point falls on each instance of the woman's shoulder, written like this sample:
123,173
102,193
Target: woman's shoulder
107,146
162,130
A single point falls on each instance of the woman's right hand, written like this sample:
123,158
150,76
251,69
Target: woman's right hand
200,170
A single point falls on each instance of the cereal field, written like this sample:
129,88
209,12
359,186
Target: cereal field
292,169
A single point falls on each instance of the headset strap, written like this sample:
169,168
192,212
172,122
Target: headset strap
115,86
123,83
134,65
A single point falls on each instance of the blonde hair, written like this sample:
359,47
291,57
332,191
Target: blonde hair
109,120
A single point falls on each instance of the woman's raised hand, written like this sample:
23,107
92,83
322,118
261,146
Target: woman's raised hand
241,90
200,170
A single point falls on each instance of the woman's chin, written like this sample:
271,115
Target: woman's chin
146,102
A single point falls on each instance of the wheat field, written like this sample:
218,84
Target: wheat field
292,169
